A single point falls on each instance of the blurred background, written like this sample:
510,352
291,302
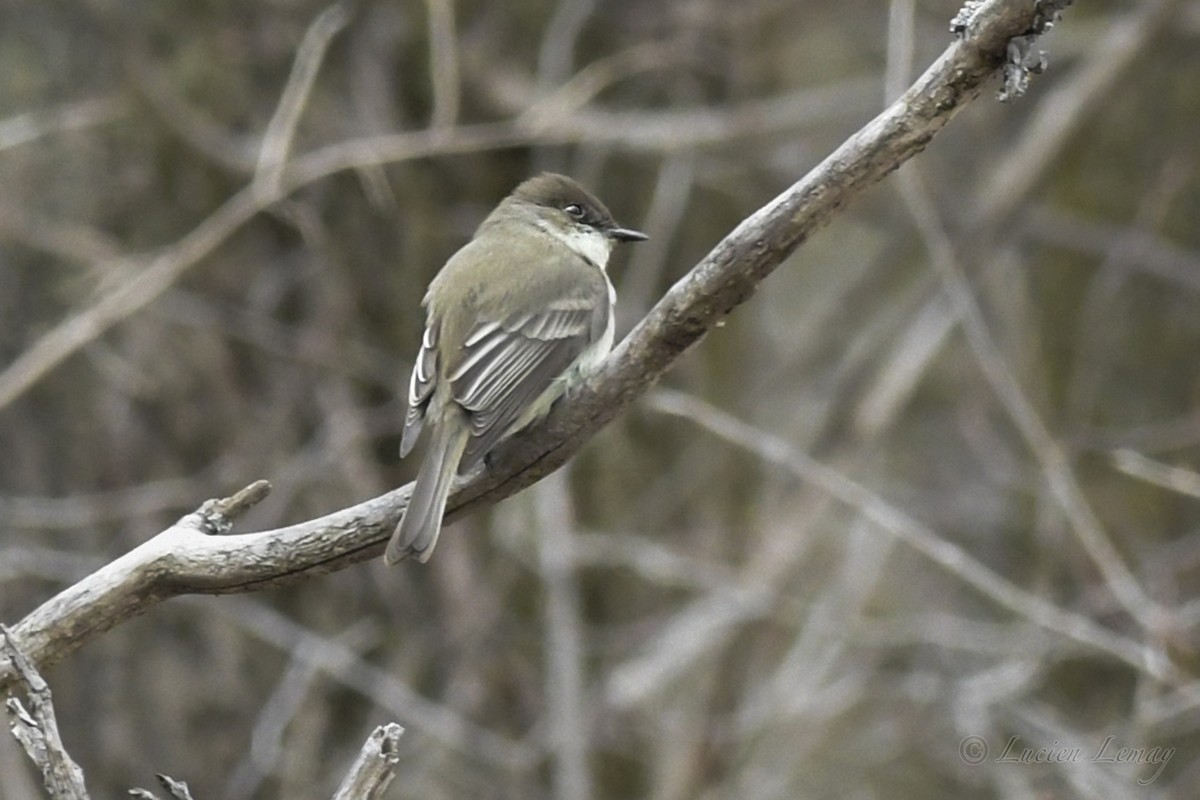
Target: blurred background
930,494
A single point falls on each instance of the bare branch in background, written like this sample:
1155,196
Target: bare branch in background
33,125
277,141
344,665
564,638
443,63
1054,463
919,536
267,740
1177,479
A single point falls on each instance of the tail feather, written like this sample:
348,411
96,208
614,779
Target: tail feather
418,531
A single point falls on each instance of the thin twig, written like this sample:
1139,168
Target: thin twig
1150,253
242,500
1177,479
277,141
583,87
564,639
556,54
176,790
901,22
374,768
281,130
443,63
33,125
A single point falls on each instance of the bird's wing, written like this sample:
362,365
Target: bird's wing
506,365
420,389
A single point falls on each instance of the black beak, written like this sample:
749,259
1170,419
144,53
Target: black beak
627,235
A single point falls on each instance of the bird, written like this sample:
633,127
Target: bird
513,320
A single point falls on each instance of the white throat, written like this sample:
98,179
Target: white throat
589,243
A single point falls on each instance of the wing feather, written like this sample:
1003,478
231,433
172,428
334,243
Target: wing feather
420,389
508,366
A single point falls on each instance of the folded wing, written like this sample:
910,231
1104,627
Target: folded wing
508,364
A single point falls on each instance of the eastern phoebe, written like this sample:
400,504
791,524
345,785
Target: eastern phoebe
514,318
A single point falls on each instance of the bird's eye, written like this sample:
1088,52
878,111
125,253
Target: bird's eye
574,210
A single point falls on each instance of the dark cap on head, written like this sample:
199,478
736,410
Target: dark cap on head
551,190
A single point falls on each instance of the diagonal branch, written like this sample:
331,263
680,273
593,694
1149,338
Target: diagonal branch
187,559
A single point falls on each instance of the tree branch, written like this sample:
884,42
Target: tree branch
37,729
374,768
187,559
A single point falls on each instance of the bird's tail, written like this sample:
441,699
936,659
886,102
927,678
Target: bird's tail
418,531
